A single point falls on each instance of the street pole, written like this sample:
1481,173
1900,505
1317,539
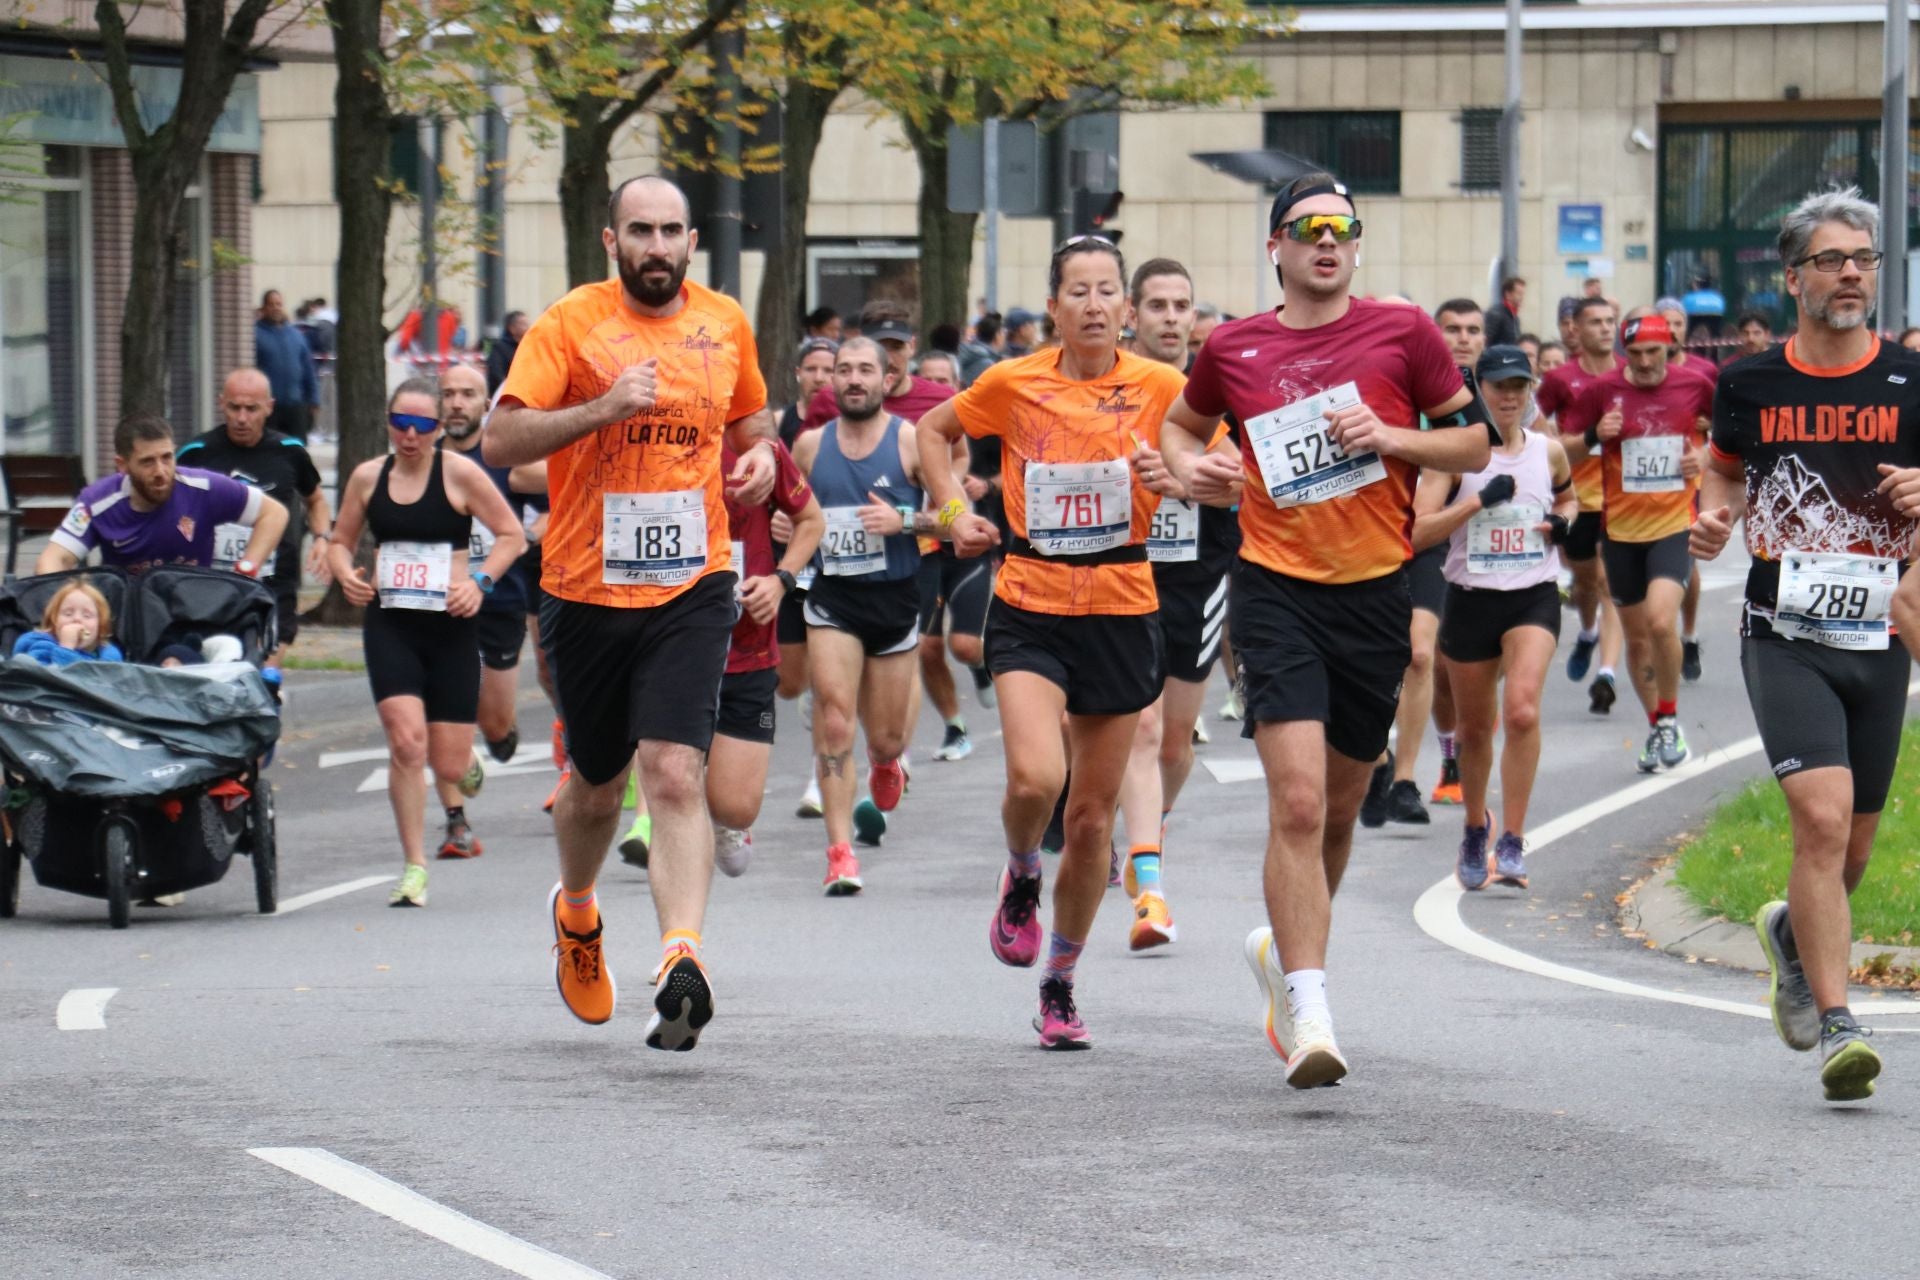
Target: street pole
991,211
428,177
493,212
1893,172
1510,152
723,261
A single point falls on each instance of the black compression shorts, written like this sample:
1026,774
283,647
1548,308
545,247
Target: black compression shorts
958,589
1583,537
1632,565
1427,579
1819,707
420,654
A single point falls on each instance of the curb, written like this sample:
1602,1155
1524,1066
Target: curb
1661,912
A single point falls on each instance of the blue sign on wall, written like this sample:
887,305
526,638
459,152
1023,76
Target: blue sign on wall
1581,229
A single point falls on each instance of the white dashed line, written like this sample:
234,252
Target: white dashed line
84,1009
410,1208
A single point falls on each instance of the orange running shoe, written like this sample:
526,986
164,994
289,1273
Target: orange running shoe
1152,926
682,1001
559,744
565,773
1447,790
585,982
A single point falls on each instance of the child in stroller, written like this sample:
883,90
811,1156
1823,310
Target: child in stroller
73,629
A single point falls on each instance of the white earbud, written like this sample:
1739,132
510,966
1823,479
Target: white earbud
1356,257
1275,255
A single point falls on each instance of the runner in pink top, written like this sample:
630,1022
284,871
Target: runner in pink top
1503,527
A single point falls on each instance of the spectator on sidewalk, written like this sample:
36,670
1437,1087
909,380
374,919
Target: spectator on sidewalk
314,326
500,354
986,347
281,352
1023,332
1503,317
824,322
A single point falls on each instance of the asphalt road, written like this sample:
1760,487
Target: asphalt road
869,1100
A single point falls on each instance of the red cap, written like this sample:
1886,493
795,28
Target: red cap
1647,329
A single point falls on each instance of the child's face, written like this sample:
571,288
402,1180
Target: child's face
78,608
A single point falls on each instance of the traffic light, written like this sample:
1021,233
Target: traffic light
1094,213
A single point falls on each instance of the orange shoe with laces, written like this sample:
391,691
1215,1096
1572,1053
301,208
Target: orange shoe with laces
1152,924
585,982
553,795
559,744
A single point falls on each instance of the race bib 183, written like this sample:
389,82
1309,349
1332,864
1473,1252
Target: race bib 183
653,539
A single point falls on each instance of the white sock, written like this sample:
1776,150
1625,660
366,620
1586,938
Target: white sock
1690,638
1605,671
1307,994
1590,636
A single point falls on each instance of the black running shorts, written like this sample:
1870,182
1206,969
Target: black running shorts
1819,708
956,590
420,654
746,704
1475,622
790,625
1313,651
1109,664
628,675
883,615
1193,617
1632,565
502,636
1427,579
1583,537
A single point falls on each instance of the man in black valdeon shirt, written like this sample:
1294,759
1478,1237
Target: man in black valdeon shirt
1816,445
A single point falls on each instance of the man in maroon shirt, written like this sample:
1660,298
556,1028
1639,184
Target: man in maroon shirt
1593,357
1674,312
743,738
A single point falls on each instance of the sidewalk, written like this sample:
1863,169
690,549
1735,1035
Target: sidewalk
1660,912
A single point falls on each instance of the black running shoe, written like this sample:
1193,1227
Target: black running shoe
1690,660
1601,695
1373,809
1403,803
503,750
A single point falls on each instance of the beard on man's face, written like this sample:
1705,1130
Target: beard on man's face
654,291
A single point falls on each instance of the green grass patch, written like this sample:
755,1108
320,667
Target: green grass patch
293,662
1739,862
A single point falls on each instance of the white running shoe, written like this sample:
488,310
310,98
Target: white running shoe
1200,738
1264,959
1315,1059
732,850
806,710
810,806
1231,708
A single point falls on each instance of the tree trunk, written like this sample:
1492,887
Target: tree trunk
584,190
946,239
363,122
776,325
160,184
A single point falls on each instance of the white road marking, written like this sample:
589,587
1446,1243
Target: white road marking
377,780
330,759
322,895
1237,769
84,1009
1437,911
410,1208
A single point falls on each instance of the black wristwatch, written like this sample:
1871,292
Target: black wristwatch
786,580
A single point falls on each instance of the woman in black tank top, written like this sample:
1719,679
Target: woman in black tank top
422,652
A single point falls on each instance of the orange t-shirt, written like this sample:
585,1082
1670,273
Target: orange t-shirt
1044,417
1399,366
1673,410
708,376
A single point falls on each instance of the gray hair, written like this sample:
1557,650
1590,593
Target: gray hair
1837,204
1206,311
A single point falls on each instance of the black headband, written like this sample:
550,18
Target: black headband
1284,202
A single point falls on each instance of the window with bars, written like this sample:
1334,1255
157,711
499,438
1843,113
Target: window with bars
1361,148
1480,149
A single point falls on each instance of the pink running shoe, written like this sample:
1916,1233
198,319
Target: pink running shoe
843,872
1058,1022
885,782
1015,933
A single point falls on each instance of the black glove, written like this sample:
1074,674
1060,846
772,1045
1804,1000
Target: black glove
1495,491
1557,529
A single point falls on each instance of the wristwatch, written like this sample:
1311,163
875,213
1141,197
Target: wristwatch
484,581
786,580
906,517
246,568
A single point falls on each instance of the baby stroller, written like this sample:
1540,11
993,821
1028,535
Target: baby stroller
125,781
